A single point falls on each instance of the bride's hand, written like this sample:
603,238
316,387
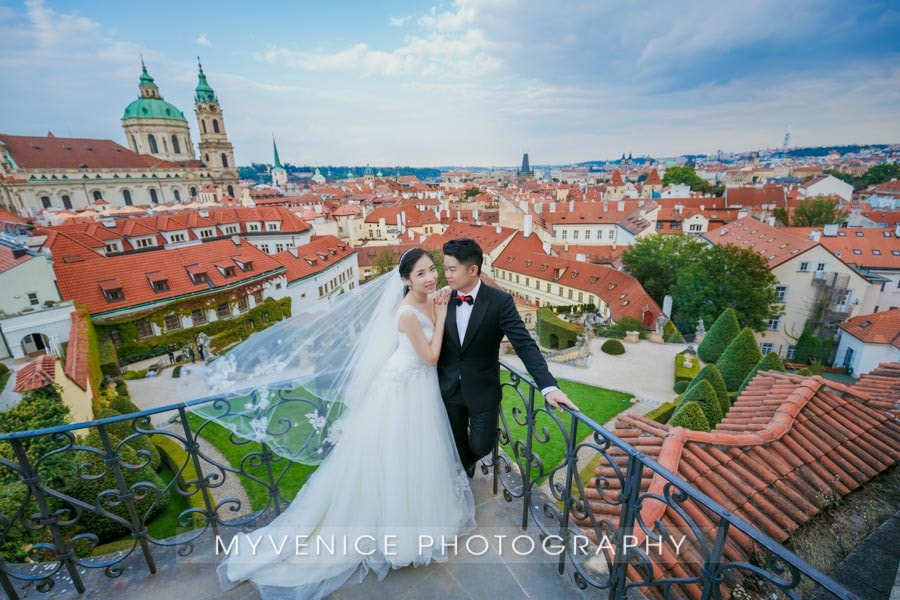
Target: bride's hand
441,302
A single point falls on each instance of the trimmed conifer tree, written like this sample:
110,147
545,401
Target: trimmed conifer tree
725,329
739,358
769,362
690,416
704,395
711,374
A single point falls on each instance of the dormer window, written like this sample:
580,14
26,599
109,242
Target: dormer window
177,237
112,290
244,263
252,226
226,268
158,281
197,274
272,227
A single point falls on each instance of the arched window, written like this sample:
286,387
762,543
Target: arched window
177,195
231,191
154,149
203,125
207,158
224,160
153,197
126,196
67,202
45,201
193,192
98,195
176,147
216,125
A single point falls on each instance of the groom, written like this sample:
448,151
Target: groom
478,318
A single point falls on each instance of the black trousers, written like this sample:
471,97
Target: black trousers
475,432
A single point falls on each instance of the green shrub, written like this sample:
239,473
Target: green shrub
176,372
3,369
769,362
725,329
711,374
683,373
705,396
88,491
805,372
175,458
681,385
662,413
122,429
123,405
675,338
122,389
549,325
690,416
614,347
738,359
139,374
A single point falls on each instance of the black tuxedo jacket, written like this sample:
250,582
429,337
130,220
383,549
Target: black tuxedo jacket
471,367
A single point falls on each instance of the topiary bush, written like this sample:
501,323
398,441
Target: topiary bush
711,374
705,396
123,405
683,373
738,359
690,416
725,329
614,347
139,374
147,502
3,369
675,338
681,386
769,362
662,413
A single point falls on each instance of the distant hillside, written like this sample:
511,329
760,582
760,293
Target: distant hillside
260,172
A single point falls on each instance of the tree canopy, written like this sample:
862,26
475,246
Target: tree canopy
725,276
656,260
688,176
812,212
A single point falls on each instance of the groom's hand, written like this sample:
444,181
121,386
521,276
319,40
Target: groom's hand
557,399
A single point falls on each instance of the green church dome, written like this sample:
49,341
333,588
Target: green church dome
151,105
152,108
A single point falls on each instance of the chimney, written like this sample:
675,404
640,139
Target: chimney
815,235
702,207
538,206
400,220
605,205
499,230
621,205
528,225
571,206
566,247
475,215
897,231
458,217
552,207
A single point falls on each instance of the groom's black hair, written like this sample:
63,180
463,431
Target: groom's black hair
466,251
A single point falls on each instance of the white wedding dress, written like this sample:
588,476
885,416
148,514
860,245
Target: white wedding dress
386,496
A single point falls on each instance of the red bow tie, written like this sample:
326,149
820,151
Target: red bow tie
460,298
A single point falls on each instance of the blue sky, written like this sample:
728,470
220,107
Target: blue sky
465,82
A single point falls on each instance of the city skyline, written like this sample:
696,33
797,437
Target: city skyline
472,82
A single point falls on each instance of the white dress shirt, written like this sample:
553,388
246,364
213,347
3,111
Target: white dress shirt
464,312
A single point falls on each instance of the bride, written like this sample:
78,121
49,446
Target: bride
391,488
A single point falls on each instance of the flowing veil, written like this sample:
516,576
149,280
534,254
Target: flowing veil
289,385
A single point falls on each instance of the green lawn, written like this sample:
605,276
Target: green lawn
599,404
219,437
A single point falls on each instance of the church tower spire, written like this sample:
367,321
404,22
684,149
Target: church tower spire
279,173
216,152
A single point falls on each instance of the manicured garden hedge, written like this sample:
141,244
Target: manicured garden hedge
174,457
711,374
683,373
549,324
738,359
705,397
690,416
719,336
613,347
662,414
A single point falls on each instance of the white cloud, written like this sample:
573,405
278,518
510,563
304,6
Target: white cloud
203,40
399,21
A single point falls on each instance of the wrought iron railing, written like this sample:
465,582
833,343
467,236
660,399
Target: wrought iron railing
562,501
46,518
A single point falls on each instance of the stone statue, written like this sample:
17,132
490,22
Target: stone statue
661,321
701,328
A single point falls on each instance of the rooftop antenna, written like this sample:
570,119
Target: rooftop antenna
787,138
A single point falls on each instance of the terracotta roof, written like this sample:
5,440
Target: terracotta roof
13,257
316,256
785,441
622,293
755,197
867,247
489,237
38,373
653,178
876,328
882,386
8,217
74,153
366,255
774,244
77,351
616,179
85,281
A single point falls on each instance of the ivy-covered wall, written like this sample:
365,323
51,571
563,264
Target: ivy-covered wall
548,324
222,332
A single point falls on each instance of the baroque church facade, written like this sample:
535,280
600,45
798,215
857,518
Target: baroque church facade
159,164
